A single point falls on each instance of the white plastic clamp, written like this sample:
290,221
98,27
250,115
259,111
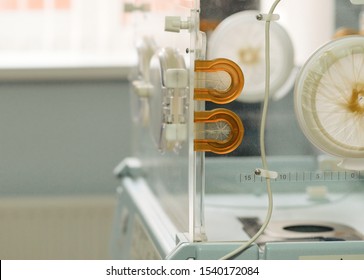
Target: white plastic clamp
268,17
266,173
175,24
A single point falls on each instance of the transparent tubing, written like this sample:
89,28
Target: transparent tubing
262,143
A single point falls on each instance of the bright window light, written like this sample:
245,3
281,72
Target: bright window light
63,32
58,33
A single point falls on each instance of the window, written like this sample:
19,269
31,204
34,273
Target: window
57,33
63,32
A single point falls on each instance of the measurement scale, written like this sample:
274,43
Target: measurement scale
305,176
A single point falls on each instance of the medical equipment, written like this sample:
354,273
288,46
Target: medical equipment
183,196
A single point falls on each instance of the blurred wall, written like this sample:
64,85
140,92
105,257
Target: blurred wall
62,137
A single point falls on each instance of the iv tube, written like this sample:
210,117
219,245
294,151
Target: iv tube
262,141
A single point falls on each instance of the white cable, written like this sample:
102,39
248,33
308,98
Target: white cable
262,141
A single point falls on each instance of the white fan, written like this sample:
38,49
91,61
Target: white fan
240,38
329,100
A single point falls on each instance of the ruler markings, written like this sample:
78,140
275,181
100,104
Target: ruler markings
305,176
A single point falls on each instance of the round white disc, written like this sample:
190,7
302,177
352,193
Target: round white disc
329,97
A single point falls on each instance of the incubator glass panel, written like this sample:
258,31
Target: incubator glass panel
159,102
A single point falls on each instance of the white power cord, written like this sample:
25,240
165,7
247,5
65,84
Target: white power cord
262,140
